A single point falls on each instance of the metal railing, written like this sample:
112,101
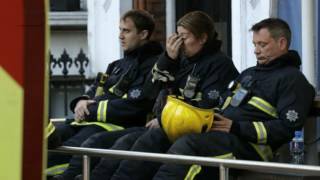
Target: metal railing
223,164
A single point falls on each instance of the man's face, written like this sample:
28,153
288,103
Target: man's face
191,45
129,37
267,48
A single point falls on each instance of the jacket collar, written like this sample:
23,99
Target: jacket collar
291,58
148,49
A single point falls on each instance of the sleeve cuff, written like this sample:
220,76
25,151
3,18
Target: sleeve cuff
76,100
165,62
235,128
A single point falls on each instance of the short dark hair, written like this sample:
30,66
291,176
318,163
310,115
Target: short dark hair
142,19
277,28
198,22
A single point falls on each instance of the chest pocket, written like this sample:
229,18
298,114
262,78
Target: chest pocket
114,77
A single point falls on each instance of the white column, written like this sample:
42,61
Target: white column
308,40
170,17
308,69
103,32
245,13
238,34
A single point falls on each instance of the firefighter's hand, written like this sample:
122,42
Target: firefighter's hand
81,109
173,45
152,124
221,123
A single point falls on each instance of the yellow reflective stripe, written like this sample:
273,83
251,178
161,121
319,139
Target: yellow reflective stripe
99,91
110,127
58,169
238,86
193,171
264,151
225,156
98,111
125,96
106,126
181,90
50,129
263,106
102,111
198,97
111,89
226,103
104,118
162,75
180,97
261,132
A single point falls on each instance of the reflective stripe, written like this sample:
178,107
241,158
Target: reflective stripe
58,169
193,171
198,97
102,111
106,126
159,75
111,89
238,86
226,103
225,156
105,111
261,132
125,96
263,106
50,129
98,111
196,169
264,151
229,98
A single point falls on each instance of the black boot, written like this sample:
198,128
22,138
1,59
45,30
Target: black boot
57,177
79,177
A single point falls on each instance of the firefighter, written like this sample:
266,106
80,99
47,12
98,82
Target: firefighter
194,73
266,105
118,99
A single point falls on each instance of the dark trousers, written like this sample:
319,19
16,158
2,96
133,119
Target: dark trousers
211,144
71,136
101,140
107,166
153,140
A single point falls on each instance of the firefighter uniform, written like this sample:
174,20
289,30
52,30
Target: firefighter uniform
120,102
198,81
266,106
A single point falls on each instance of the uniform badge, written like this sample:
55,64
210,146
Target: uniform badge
135,93
213,94
292,115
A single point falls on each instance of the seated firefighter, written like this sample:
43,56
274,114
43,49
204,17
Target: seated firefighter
117,99
193,72
266,105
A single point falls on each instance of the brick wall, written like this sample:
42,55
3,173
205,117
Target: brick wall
157,8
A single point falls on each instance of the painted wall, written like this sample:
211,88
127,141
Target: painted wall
103,32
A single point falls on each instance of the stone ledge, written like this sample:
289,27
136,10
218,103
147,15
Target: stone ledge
68,19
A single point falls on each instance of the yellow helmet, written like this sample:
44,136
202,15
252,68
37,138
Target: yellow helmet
179,118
